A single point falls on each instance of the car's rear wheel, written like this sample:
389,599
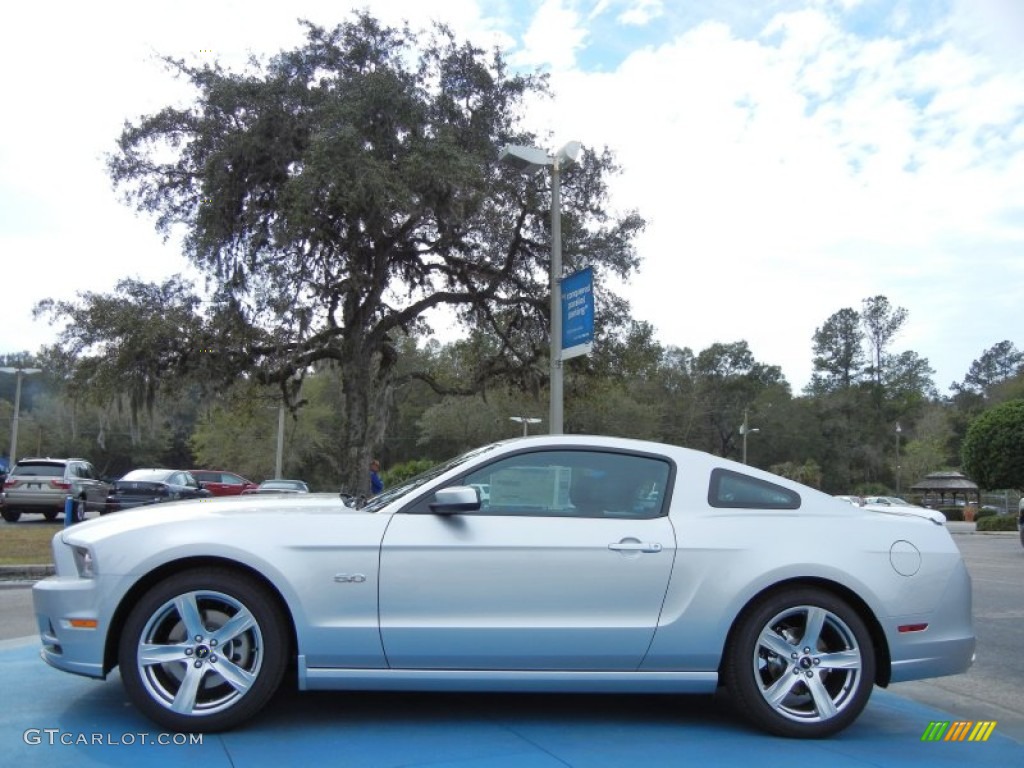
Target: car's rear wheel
800,663
203,650
11,515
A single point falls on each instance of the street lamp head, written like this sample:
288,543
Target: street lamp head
532,159
524,159
23,371
568,154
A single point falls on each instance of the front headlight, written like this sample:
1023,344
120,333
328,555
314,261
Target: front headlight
85,561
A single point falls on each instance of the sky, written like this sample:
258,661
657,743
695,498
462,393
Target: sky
791,157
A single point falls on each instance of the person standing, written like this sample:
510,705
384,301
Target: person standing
376,484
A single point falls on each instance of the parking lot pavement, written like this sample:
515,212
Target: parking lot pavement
54,719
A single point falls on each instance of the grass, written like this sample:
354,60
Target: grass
27,542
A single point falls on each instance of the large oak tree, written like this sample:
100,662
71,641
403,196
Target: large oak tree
337,193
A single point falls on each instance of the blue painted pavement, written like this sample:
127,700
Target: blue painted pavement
50,718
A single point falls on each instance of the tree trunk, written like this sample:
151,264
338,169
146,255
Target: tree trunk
367,385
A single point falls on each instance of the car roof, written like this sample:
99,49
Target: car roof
150,474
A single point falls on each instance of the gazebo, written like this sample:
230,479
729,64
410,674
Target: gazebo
942,484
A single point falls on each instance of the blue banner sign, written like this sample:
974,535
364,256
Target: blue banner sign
578,313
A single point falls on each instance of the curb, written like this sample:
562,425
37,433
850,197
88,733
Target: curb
25,572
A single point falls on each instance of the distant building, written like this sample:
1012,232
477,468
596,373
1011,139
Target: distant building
938,485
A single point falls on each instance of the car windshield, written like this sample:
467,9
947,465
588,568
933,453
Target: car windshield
285,485
389,495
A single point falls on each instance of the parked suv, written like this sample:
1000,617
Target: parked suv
41,485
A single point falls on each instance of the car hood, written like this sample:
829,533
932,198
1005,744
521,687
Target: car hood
928,514
210,507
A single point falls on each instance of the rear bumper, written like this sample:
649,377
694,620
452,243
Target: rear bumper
946,647
33,502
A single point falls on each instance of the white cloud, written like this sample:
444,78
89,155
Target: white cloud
552,39
641,12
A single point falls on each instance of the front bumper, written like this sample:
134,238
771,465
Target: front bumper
60,604
72,625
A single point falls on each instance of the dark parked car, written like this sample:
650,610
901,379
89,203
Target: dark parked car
149,486
41,486
221,483
1020,520
279,486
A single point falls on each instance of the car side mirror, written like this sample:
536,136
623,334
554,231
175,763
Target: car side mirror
458,498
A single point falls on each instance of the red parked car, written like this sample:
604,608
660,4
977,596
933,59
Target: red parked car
222,483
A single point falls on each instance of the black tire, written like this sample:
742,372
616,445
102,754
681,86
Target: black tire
800,663
50,515
254,654
11,515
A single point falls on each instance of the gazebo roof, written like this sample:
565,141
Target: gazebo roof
945,482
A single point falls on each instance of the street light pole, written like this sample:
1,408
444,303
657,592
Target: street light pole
555,408
20,373
898,431
530,160
746,430
280,441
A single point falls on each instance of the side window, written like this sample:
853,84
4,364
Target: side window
230,479
732,490
567,483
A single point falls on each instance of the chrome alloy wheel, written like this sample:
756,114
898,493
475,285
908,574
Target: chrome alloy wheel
807,664
199,653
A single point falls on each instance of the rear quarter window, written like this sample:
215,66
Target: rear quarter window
734,490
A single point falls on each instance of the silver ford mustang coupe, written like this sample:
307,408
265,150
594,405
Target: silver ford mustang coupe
592,564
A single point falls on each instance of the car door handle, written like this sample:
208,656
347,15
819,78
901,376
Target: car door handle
635,546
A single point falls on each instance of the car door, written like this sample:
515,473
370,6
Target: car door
212,481
564,567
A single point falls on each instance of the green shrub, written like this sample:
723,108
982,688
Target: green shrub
953,514
985,513
998,523
399,473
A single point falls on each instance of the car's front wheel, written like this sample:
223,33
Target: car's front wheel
203,650
800,663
